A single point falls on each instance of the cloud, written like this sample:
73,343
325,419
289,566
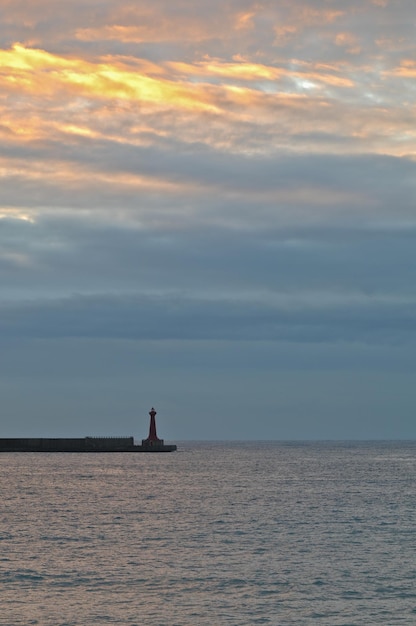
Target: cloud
189,184
226,178
301,318
326,284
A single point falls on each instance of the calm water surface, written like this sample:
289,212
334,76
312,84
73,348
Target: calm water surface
239,534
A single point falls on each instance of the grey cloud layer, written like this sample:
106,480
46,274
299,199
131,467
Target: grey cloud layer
128,258
326,284
372,184
181,318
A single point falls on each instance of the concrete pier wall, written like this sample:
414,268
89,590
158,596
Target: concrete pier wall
85,444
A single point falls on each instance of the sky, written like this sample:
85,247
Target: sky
209,207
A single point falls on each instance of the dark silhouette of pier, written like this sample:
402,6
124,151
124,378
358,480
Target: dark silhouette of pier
89,444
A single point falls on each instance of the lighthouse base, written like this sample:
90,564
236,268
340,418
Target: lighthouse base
155,445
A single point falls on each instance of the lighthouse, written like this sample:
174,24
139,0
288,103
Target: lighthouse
153,439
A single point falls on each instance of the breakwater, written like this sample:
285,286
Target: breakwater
83,444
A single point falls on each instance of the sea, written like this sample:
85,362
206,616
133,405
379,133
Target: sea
230,533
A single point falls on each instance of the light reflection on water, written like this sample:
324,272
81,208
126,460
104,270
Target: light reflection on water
241,534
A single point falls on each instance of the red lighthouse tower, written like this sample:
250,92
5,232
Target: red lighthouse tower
153,439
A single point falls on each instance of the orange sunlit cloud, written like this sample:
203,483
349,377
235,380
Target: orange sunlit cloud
254,72
37,72
243,71
406,69
77,176
244,95
149,26
220,88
